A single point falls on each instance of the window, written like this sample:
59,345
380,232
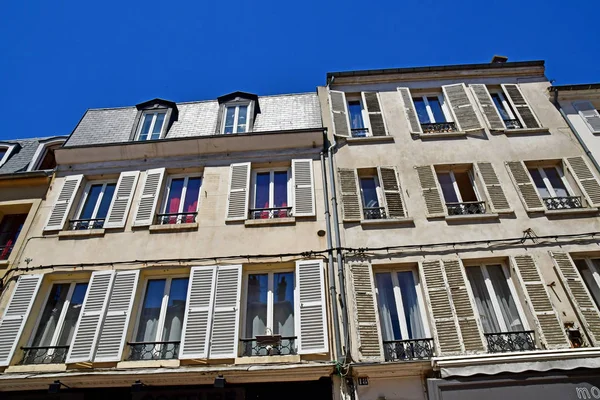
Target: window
236,119
433,114
5,152
460,192
10,228
553,188
357,118
151,126
589,269
505,110
160,321
371,198
52,338
181,200
94,206
44,158
271,195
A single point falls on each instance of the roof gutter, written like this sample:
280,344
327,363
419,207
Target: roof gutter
25,175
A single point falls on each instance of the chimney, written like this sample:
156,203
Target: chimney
499,59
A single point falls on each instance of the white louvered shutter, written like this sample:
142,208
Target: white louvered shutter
311,307
392,192
461,106
445,327
589,114
365,313
198,313
431,194
525,187
339,113
226,315
116,321
410,110
549,327
586,180
351,204
304,192
15,315
90,319
149,198
487,107
239,188
64,202
492,187
517,100
373,106
119,207
579,295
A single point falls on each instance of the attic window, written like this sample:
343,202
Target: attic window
237,112
236,119
152,124
153,119
44,158
5,152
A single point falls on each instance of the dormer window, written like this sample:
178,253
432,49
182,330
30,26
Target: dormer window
236,119
44,158
5,152
152,125
153,120
237,112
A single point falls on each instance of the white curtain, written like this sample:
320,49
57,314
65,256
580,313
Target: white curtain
52,311
508,307
388,318
410,302
483,301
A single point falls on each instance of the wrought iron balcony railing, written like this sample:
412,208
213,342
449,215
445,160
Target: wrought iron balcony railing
83,224
359,132
466,208
439,127
374,213
269,346
270,213
176,218
510,341
44,355
153,351
563,203
408,350
512,124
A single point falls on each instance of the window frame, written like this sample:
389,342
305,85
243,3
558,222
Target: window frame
547,183
85,194
378,189
183,191
505,104
455,184
443,103
363,112
9,149
41,152
271,185
155,113
237,106
593,269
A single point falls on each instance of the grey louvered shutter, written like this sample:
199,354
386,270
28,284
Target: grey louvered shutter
493,188
339,113
60,211
524,184
431,194
226,313
112,334
579,295
461,106
468,319
239,190
149,198
351,204
90,319
549,326
409,110
589,114
121,202
15,315
437,293
365,313
487,107
517,100
373,106
585,178
311,308
197,320
304,193
392,192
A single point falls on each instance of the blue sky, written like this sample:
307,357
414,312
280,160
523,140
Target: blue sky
59,58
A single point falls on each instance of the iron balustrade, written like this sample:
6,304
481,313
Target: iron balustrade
466,208
83,224
502,342
176,218
512,124
359,132
408,350
278,346
44,355
153,351
270,213
563,203
374,213
439,127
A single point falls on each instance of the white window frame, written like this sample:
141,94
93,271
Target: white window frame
505,104
593,269
546,181
455,184
378,189
445,109
398,298
272,185
41,151
363,112
86,192
9,149
154,114
235,117
183,192
492,293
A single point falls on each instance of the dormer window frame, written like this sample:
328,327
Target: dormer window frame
155,107
155,113
234,101
42,150
236,105
9,147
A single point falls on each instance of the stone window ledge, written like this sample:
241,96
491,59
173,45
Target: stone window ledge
81,233
440,135
36,368
148,364
571,211
471,217
270,221
174,227
525,131
370,139
4,263
387,221
268,359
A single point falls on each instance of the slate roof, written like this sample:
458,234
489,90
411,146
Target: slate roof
278,112
21,156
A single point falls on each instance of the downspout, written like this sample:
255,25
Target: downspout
579,139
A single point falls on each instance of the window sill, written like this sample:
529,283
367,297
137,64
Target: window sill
571,211
4,263
268,359
370,139
81,233
440,135
471,217
36,368
387,221
173,227
523,131
149,364
270,221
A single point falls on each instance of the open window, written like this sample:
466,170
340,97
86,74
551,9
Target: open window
153,119
459,190
44,158
94,205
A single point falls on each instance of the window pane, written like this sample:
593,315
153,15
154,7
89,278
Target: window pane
539,183
72,314
109,192
263,180
436,109
588,277
500,106
191,196
2,153
242,118
146,126
148,325
280,181
388,313
508,307
229,119
90,202
10,228
410,303
369,192
51,314
447,187
465,185
283,303
421,110
256,306
483,301
174,199
175,310
356,119
158,124
556,182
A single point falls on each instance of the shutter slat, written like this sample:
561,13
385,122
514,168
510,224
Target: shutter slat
492,187
487,107
461,106
431,194
520,105
409,110
311,307
225,323
373,106
121,202
392,192
339,113
351,204
585,178
60,212
149,199
527,190
304,197
589,114
239,188
365,313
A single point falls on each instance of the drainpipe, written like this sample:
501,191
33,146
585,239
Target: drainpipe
579,139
